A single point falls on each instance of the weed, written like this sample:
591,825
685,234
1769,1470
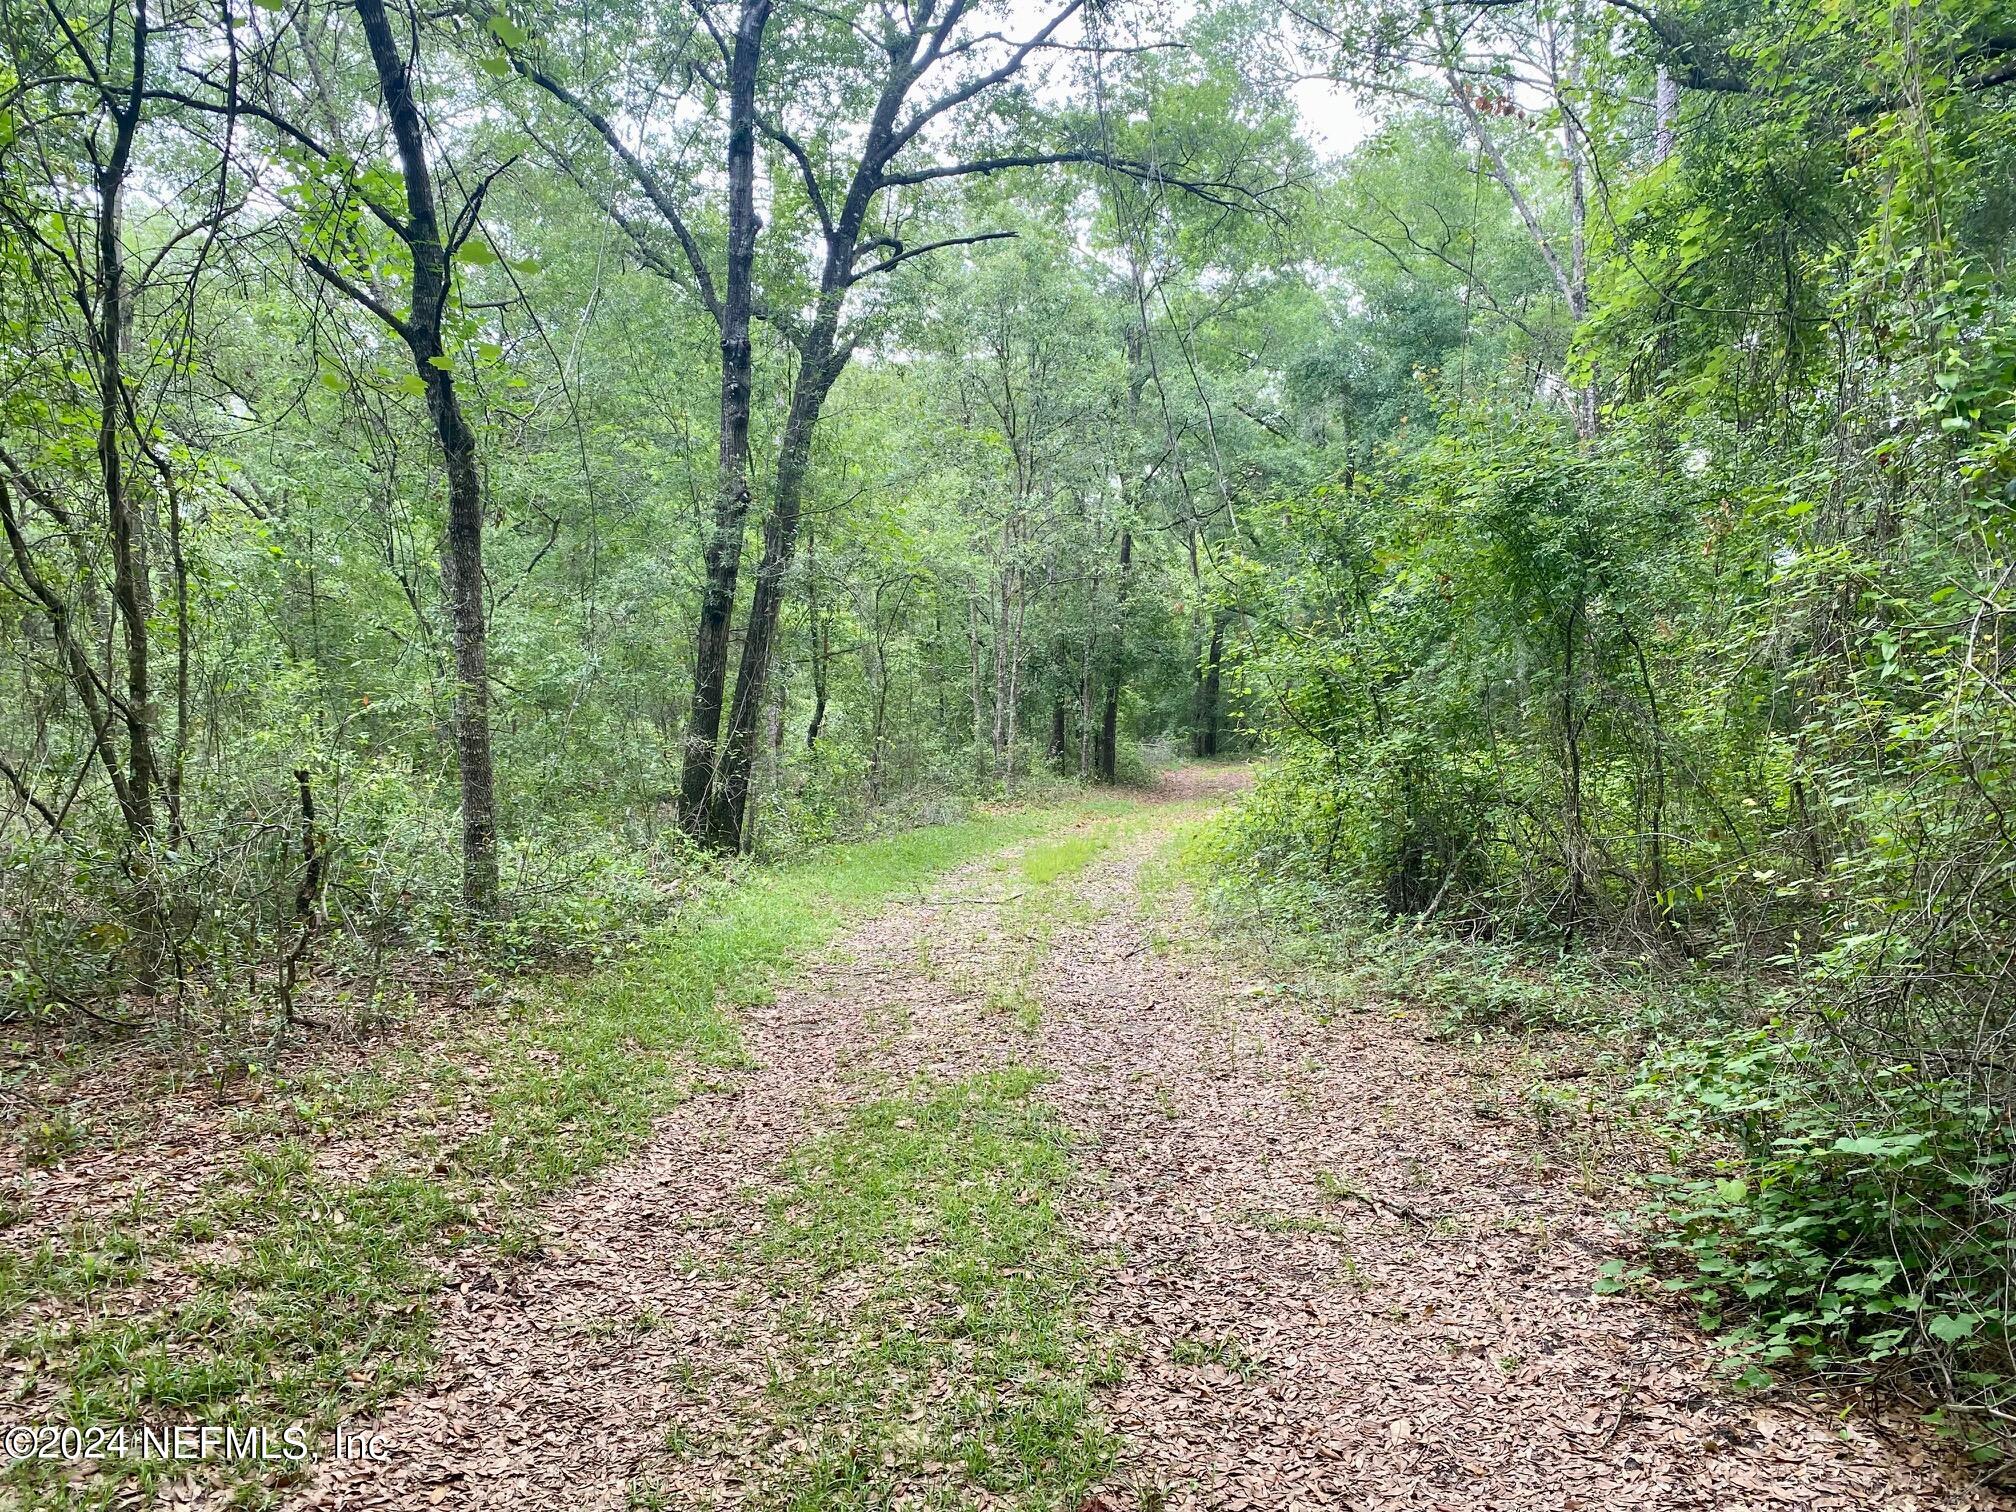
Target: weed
51,1138
1225,1351
1294,1223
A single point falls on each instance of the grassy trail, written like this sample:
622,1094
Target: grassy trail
971,1170
288,1270
847,1276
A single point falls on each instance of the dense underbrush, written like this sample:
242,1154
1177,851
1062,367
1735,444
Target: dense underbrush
330,903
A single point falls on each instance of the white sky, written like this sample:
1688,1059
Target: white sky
1332,121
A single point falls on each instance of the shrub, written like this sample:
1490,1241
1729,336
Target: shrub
1854,1212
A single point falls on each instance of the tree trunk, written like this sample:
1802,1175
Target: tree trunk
1108,766
1004,649
878,734
1575,840
974,681
699,779
462,557
728,799
821,639
130,591
1087,745
818,703
1107,759
462,574
1585,397
1204,735
1665,111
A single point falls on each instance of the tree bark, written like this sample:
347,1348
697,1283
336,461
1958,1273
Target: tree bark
130,590
974,684
1665,112
1087,743
462,556
728,798
821,645
878,734
1204,735
1108,769
700,807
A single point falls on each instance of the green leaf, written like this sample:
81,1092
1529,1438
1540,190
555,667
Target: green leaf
475,253
507,31
1951,1328
446,364
413,384
497,67
1892,1144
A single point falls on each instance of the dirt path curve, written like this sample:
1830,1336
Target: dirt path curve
1430,1342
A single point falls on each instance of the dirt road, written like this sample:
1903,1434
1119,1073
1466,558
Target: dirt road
1279,1263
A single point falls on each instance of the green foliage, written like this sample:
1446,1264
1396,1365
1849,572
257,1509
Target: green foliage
1594,494
1702,662
1875,1229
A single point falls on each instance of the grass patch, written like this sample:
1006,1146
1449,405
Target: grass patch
286,1295
1225,1351
959,1368
1055,859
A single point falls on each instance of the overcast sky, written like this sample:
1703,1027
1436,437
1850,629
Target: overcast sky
1332,121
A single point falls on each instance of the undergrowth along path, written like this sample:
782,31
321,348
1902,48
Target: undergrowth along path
1033,1195
265,1251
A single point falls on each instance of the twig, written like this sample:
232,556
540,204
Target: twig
305,898
92,1013
1337,1188
1623,1411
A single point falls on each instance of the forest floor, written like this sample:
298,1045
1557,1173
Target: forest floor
1031,1192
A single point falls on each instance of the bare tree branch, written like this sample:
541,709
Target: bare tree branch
646,178
904,254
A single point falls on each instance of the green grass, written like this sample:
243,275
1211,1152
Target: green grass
291,1296
1055,859
962,1368
1032,917
1225,1351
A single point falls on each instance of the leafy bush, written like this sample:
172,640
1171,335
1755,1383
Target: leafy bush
1858,1214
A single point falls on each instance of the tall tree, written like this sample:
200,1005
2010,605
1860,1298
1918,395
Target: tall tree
431,235
927,76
